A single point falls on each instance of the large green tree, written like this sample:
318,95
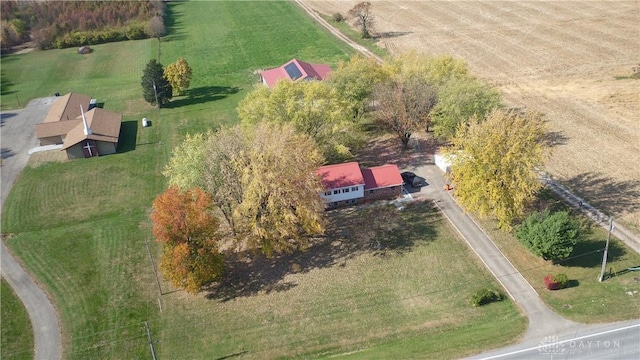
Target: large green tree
184,223
403,105
354,81
156,89
458,101
281,209
551,236
312,107
437,70
261,178
495,163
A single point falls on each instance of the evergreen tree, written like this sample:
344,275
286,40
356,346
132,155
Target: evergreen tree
154,75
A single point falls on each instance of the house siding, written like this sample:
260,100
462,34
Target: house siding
387,193
75,152
106,148
343,196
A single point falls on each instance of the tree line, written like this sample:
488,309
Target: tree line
61,24
258,177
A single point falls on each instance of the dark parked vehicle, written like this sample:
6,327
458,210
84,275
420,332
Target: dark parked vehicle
411,179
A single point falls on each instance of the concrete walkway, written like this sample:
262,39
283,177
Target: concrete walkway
18,136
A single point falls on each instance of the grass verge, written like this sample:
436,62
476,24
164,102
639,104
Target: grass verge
586,299
16,335
372,44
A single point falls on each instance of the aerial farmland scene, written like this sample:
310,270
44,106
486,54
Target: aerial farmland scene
302,179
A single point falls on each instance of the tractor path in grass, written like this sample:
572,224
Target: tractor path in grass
18,136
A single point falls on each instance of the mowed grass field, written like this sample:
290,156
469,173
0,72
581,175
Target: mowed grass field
346,296
16,336
81,227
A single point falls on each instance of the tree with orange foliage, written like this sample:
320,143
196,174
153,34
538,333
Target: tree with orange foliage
184,223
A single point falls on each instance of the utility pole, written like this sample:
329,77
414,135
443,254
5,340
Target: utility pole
606,249
153,351
155,92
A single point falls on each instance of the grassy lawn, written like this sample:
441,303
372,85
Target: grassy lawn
344,296
16,335
587,300
81,227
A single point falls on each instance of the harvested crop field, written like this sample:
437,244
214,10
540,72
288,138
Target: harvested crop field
570,60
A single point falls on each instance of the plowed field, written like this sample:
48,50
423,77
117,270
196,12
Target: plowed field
570,60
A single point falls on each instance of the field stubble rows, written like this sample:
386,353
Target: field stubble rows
560,58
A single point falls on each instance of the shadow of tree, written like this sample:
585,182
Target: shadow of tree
202,95
592,253
128,136
6,153
5,116
350,232
606,194
171,23
391,34
5,84
555,138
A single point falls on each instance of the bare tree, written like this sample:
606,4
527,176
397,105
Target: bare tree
403,105
361,13
157,29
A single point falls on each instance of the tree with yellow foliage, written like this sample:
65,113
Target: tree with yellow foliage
179,75
262,180
495,163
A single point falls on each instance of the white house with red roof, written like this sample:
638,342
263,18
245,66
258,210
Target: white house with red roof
347,184
295,70
343,183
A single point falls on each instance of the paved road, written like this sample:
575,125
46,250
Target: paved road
18,136
618,341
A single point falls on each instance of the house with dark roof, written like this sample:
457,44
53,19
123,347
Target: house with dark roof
347,184
295,70
81,132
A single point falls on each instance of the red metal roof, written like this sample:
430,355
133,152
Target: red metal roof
341,175
381,176
313,71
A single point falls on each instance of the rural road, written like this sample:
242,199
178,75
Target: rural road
619,341
17,133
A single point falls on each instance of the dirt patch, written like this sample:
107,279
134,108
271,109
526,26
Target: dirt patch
571,60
